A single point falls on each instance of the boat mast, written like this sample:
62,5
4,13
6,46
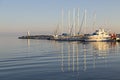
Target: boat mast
85,22
62,21
74,22
94,21
69,21
82,22
78,18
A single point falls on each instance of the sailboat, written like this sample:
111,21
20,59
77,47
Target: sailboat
71,35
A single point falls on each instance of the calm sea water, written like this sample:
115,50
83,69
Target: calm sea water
22,59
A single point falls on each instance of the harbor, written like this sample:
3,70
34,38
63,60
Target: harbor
60,40
98,36
75,29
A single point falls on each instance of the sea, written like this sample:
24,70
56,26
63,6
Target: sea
34,59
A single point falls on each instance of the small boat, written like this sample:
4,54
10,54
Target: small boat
98,35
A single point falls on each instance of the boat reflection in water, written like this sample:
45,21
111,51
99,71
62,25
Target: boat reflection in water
101,47
84,56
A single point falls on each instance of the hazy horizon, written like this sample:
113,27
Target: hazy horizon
43,16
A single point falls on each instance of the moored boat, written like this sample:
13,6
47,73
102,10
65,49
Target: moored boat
98,35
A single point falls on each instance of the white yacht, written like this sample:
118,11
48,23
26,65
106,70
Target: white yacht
98,35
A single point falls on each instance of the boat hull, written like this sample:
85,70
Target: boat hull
99,40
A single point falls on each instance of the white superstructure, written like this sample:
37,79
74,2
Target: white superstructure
98,35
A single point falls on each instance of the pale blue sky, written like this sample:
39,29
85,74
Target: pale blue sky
43,15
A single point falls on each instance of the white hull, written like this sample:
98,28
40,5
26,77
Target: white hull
97,36
96,40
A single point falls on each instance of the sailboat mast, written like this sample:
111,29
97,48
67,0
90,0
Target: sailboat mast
78,19
85,22
68,21
94,21
74,21
62,21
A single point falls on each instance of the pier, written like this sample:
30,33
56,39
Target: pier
45,37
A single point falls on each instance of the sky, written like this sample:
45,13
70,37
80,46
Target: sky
43,16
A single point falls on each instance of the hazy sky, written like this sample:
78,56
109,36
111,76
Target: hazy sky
44,15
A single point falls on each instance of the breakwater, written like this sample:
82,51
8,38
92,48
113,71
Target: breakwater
46,37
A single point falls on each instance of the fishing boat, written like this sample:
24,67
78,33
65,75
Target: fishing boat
98,35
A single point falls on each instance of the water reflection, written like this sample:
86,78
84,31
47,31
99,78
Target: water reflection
76,56
69,57
101,46
28,43
62,64
85,65
102,49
